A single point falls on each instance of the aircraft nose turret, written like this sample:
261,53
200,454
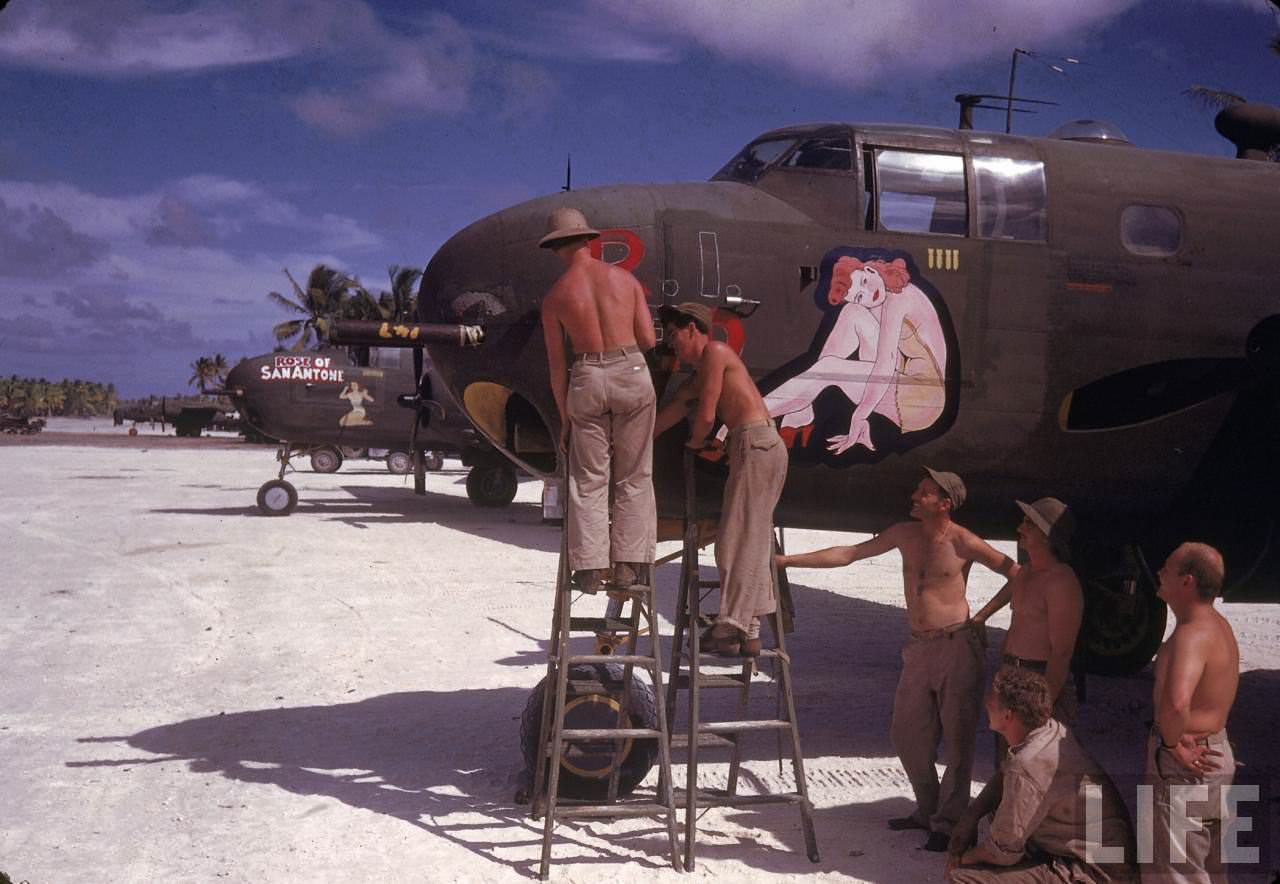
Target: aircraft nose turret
493,275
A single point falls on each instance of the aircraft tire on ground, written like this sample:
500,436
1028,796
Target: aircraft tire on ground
400,463
434,460
277,498
491,485
326,460
584,773
1123,621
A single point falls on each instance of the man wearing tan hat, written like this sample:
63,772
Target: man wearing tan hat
940,689
722,387
1048,605
1047,600
607,399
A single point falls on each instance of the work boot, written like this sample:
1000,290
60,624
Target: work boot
938,842
721,640
626,574
589,580
901,823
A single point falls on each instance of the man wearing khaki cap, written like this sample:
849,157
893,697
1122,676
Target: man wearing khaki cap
607,399
1048,605
1047,600
940,688
722,387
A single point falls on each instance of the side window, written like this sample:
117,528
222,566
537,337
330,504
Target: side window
1011,198
919,192
1154,231
822,153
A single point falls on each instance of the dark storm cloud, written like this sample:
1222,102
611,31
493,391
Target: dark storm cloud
36,242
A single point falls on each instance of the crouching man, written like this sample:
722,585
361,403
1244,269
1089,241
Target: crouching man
1060,817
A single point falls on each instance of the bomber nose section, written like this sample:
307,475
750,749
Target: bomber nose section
482,277
493,274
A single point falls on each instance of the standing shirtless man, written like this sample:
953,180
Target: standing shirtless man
1048,603
721,386
608,400
940,688
1196,676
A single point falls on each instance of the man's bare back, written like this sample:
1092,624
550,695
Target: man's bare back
600,307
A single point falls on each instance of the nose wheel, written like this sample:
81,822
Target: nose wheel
491,485
277,498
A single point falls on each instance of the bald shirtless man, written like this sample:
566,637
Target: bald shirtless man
722,387
940,688
1196,676
607,399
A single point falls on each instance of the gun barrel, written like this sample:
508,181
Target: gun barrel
371,333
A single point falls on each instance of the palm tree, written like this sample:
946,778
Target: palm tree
1221,98
324,298
404,301
201,370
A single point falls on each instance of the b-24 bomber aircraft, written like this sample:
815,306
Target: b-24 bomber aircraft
322,402
1071,316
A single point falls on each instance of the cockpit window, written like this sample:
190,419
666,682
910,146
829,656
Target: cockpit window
1011,198
822,153
917,192
752,160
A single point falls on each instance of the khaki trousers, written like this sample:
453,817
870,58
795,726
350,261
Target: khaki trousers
744,544
938,696
1202,863
611,407
1044,870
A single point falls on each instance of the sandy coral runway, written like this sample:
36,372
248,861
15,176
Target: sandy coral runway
194,692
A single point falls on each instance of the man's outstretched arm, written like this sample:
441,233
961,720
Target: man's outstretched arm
838,556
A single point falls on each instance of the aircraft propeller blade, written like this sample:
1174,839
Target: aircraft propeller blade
419,456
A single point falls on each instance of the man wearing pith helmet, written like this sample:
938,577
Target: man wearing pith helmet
606,403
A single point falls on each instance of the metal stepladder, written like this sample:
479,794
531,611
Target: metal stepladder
686,672
630,611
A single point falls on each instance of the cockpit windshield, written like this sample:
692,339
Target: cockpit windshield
752,160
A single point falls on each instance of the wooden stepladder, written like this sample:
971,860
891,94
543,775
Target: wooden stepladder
597,690
687,673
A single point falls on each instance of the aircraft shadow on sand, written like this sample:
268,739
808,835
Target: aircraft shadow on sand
393,754
366,506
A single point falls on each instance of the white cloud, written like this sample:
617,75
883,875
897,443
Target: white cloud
367,74
128,37
854,44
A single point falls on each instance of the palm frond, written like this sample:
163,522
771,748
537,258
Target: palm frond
1213,98
285,330
284,302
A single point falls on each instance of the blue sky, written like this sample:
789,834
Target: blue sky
162,161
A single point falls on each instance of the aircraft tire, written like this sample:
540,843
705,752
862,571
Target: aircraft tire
277,498
400,463
326,460
1120,632
586,776
434,460
490,485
